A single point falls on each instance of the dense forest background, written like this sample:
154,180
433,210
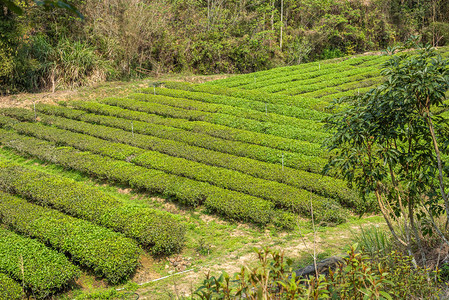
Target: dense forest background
121,39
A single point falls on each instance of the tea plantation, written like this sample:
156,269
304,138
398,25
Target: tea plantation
246,148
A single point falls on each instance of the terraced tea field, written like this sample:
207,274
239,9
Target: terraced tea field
242,150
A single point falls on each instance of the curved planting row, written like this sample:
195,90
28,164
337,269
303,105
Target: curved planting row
260,105
43,271
286,131
370,82
283,196
253,95
107,253
152,228
10,289
331,77
299,72
326,72
322,185
225,202
218,109
241,80
333,80
226,143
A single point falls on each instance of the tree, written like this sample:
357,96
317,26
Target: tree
390,141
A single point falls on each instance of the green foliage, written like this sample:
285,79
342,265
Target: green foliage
107,253
10,289
134,39
237,142
281,195
225,202
159,231
325,186
286,131
374,241
358,277
388,141
42,271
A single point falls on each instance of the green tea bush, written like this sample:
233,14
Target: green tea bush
281,195
10,289
107,253
159,231
282,72
279,109
300,155
286,131
6,121
228,110
279,82
322,185
231,204
43,271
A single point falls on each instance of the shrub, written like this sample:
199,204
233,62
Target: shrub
10,289
286,131
358,277
185,190
42,270
107,253
281,195
159,231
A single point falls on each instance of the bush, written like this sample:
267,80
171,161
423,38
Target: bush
281,195
10,289
159,231
43,271
185,190
107,253
300,154
286,131
358,277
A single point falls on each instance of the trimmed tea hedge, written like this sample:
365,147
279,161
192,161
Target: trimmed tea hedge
307,68
10,289
323,185
43,271
157,230
260,105
286,131
228,203
225,109
146,126
106,252
281,195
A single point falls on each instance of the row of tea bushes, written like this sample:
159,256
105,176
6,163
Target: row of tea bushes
314,135
10,289
161,232
322,185
252,95
226,142
267,108
326,72
332,81
228,203
283,196
282,72
43,271
227,110
107,253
